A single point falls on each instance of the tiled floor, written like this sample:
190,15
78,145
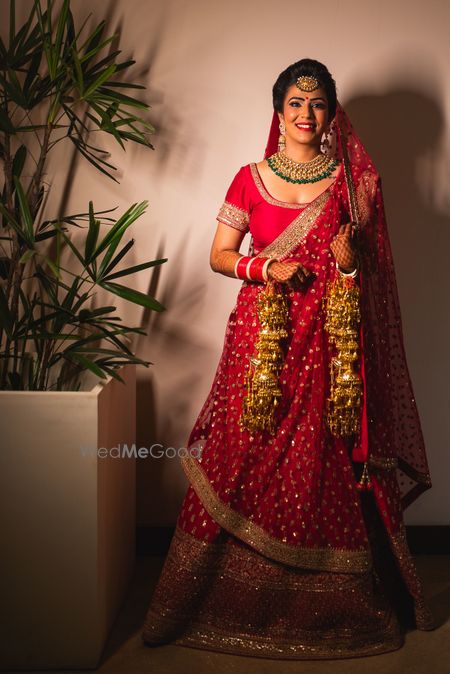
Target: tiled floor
422,653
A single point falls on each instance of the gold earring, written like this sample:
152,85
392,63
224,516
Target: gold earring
282,137
325,145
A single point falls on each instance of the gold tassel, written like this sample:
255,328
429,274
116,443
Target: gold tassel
263,389
342,324
365,483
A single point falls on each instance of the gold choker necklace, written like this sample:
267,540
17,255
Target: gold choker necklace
301,172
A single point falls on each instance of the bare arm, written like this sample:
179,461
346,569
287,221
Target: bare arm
225,249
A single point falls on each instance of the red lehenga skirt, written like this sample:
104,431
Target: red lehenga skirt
275,552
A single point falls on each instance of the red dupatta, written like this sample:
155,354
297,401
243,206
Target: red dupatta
391,434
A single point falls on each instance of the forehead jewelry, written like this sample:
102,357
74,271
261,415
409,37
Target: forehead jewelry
306,83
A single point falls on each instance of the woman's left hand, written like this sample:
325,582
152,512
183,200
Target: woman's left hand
343,247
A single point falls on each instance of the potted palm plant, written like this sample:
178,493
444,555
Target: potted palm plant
67,364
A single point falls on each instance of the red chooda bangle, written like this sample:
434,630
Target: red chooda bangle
252,268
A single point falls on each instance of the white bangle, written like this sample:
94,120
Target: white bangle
266,267
235,266
247,269
351,274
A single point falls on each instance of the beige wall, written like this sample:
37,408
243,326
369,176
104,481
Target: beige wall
209,68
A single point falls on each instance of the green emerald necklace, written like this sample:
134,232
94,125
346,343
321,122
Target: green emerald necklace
301,172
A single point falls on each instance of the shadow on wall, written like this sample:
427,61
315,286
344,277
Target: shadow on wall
141,72
403,131
182,354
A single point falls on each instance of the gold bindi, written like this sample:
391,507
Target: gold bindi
307,83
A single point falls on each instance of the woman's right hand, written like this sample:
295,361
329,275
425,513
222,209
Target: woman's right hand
293,274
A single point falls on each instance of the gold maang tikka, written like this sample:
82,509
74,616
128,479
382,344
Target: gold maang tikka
307,83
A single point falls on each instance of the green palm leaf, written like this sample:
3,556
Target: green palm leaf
51,64
133,270
134,296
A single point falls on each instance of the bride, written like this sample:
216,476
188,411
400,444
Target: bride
290,542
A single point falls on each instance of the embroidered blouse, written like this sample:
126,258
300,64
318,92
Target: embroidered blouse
250,208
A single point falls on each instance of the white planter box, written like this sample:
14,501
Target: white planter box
67,522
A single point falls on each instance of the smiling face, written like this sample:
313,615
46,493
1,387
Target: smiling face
305,115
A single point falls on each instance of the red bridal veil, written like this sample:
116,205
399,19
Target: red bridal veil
393,432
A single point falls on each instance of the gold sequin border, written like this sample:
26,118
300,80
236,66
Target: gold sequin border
385,462
353,204
393,462
247,565
233,561
233,216
328,559
425,619
186,551
389,639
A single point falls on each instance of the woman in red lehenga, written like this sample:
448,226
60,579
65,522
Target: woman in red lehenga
291,543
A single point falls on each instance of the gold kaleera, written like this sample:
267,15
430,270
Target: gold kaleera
342,305
343,316
263,389
342,324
